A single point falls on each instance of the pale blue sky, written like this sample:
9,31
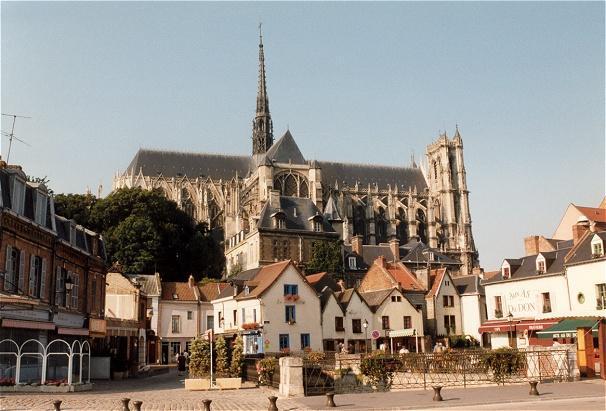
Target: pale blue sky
355,82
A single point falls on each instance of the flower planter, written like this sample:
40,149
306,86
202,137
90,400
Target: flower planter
229,383
197,384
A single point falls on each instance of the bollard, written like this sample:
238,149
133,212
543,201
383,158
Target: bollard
137,405
57,404
207,404
330,399
436,393
272,403
125,402
533,388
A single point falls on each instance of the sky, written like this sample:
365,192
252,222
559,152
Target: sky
355,82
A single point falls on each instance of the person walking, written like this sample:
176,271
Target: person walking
180,364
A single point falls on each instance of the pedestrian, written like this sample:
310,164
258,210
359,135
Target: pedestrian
181,364
404,350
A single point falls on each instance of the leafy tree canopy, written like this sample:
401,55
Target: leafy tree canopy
146,232
41,180
325,256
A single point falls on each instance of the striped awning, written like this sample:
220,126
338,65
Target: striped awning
405,332
568,328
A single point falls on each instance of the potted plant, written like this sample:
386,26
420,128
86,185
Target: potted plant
265,369
224,380
199,365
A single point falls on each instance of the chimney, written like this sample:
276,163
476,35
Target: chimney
341,284
356,244
531,245
191,281
394,246
579,229
274,198
381,261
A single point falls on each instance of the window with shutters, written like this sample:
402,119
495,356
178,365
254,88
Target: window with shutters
35,275
40,214
75,290
176,324
407,321
17,195
385,322
93,301
12,265
60,293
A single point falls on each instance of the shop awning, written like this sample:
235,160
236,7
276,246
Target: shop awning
536,325
568,328
72,331
32,325
405,332
498,326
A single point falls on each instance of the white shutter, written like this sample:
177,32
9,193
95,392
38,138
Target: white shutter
58,286
43,280
22,271
8,269
32,275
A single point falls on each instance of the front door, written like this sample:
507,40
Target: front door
165,352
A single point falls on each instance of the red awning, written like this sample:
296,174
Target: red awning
536,325
72,331
498,326
32,325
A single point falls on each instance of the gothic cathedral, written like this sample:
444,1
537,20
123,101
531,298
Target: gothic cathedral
274,203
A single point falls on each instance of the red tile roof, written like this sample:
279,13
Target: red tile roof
266,276
404,277
211,291
435,279
314,278
593,214
182,291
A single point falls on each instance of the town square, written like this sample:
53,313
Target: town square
418,222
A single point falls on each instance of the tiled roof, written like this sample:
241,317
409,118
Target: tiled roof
264,279
582,252
313,278
295,220
375,298
404,277
181,290
150,283
210,291
365,174
593,214
468,284
435,278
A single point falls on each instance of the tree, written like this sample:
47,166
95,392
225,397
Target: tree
77,207
222,365
199,358
237,358
326,256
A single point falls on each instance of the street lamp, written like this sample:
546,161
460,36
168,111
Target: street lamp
365,325
510,319
69,285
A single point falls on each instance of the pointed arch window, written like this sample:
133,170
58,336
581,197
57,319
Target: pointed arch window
402,225
292,185
422,226
359,220
381,225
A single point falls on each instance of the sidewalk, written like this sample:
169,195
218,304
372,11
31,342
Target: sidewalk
461,398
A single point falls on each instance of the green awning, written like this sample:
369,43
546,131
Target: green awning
568,328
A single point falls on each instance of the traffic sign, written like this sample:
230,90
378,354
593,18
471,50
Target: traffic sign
375,334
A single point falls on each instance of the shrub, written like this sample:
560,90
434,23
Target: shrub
315,357
221,364
378,370
199,358
237,358
266,368
503,362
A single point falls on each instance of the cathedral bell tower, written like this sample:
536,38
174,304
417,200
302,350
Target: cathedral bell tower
263,128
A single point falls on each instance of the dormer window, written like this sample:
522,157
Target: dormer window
353,263
72,234
506,272
17,195
540,266
317,226
597,247
280,222
40,211
246,290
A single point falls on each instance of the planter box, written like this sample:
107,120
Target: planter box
229,383
197,384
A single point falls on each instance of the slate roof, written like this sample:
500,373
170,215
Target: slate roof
344,297
582,252
468,284
181,289
150,283
375,298
305,209
178,164
364,174
417,252
331,209
285,150
320,281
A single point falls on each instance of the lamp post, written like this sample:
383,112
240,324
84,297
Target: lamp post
69,285
510,319
365,325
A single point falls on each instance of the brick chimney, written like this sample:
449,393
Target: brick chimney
381,261
341,284
394,246
356,244
579,229
191,281
531,245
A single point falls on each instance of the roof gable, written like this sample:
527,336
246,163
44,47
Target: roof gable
285,150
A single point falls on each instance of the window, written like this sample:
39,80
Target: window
356,326
210,322
17,195
396,298
419,307
221,319
284,342
243,318
190,315
448,300
254,315
541,266
339,324
40,214
60,293
498,307
235,317
291,289
601,296
546,303
290,316
446,282
597,250
450,324
14,277
93,302
75,290
385,322
176,324
352,263
407,321
280,222
506,272
317,226
305,341
35,275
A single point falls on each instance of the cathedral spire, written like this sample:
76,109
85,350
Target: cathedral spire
263,128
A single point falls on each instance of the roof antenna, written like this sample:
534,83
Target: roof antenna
11,135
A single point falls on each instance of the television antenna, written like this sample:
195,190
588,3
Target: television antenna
11,135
